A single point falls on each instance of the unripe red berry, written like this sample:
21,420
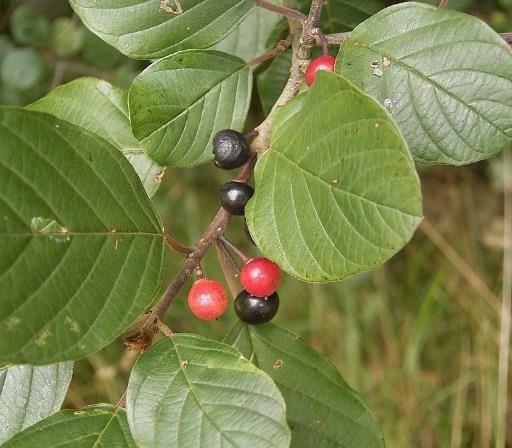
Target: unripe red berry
260,277
325,62
207,299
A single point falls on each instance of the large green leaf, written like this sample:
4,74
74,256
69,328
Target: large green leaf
142,29
29,394
337,193
446,78
82,247
249,39
179,103
323,411
191,392
99,107
97,426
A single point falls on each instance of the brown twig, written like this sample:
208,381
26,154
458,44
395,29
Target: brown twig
174,245
280,48
507,37
141,335
282,10
442,3
336,39
122,401
324,43
304,39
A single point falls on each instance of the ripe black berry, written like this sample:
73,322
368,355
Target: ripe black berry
234,195
230,149
256,310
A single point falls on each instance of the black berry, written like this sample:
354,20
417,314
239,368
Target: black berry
256,310
234,195
230,149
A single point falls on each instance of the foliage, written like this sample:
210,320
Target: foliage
84,246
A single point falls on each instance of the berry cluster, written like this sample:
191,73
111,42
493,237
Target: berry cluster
258,302
230,150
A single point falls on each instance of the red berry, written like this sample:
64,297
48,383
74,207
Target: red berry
207,299
325,62
260,277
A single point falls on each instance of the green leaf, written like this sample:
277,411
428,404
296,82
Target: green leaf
249,39
323,411
179,103
97,426
337,193
29,394
66,37
446,78
191,392
29,27
142,29
344,15
101,108
82,247
22,68
272,81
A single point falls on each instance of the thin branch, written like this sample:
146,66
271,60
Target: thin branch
122,401
304,39
323,41
164,328
142,332
507,37
282,10
280,48
505,308
442,3
336,39
177,247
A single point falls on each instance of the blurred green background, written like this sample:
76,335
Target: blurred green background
417,338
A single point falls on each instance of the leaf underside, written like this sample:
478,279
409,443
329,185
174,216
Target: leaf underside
190,392
344,195
29,394
142,29
97,426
